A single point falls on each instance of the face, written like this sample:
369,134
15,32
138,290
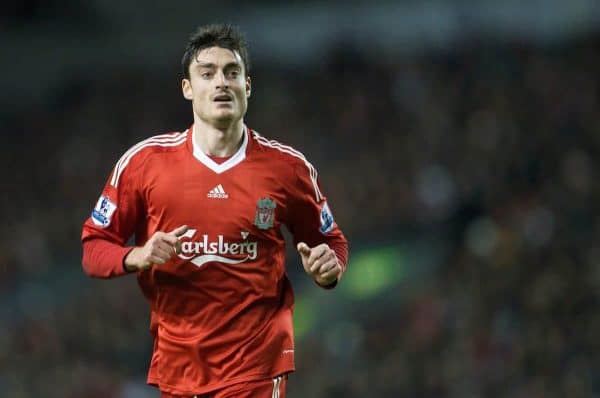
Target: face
218,86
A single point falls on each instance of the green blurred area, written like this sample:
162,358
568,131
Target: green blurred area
376,275
305,317
372,271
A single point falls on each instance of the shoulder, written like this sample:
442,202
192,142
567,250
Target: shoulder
289,159
138,153
279,151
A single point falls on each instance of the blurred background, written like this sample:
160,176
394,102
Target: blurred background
457,142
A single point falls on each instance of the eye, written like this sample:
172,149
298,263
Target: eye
205,75
234,73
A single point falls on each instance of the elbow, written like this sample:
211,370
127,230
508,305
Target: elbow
90,268
102,259
86,264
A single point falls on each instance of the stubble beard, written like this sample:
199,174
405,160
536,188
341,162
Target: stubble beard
224,119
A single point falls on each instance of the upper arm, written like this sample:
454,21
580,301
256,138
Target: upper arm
118,210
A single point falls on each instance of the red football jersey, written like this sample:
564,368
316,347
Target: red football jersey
221,311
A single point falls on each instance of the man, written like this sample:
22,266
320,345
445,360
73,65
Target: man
206,206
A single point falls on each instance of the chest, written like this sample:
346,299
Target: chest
249,199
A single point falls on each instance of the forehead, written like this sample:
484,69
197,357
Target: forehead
218,56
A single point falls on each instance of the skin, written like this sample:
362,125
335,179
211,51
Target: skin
218,129
320,262
219,126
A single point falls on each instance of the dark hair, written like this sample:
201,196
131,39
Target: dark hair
215,35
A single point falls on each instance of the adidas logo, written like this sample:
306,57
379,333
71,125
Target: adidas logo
217,193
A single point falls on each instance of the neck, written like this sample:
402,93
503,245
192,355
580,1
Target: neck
215,141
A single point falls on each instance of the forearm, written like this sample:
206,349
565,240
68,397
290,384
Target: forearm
340,247
104,259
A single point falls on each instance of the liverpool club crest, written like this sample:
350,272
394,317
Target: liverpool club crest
265,213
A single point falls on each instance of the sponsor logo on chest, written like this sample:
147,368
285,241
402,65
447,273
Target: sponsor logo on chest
199,252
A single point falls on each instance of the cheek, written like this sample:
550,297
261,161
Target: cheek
201,98
243,101
199,88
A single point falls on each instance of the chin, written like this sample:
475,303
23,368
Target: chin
224,118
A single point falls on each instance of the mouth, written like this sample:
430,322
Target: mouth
223,98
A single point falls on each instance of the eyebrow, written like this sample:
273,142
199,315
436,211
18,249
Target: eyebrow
211,65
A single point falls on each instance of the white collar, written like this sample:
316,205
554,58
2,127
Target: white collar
229,163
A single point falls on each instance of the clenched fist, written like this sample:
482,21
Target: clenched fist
320,262
158,250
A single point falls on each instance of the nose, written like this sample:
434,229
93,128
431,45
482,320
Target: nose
221,80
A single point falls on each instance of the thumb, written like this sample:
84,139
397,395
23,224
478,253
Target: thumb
179,231
303,249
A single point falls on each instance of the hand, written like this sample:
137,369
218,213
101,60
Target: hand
320,262
158,250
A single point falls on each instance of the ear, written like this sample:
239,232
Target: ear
186,89
248,87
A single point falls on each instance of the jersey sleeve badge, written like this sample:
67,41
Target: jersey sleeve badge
102,213
326,219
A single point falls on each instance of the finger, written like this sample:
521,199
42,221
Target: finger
172,237
163,249
177,247
315,267
156,260
332,273
169,239
303,249
179,231
169,248
316,253
163,253
328,260
326,267
317,258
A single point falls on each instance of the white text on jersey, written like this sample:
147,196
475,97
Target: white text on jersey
201,252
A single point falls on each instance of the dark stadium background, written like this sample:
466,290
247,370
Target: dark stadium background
458,145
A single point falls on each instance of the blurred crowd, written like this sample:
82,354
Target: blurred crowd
492,146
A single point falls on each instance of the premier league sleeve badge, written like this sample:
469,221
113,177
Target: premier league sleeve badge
103,211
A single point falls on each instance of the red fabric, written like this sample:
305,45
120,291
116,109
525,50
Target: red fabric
221,312
103,259
252,389
219,159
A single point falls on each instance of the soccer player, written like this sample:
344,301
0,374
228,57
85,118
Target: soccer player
206,206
